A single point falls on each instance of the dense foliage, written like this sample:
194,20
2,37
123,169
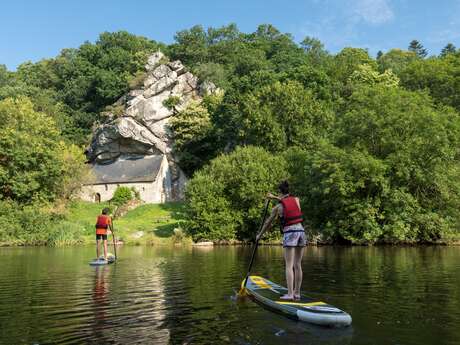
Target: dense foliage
225,198
371,145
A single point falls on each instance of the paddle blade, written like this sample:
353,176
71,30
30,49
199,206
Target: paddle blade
242,291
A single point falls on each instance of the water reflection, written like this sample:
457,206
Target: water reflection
184,296
100,302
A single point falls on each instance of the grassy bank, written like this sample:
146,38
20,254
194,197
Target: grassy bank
146,224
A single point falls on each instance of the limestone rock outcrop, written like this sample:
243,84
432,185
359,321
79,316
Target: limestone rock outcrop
142,129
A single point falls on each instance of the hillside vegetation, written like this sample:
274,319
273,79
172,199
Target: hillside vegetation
371,145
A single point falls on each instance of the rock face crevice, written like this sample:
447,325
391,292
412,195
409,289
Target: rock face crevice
142,129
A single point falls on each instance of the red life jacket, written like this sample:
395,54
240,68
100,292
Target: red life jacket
102,222
291,211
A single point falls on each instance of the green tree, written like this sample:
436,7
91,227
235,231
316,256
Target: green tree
191,129
440,76
74,172
191,46
280,115
448,49
340,191
213,72
225,198
31,164
396,60
416,47
5,76
348,60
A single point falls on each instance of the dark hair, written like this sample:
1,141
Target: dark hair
105,210
283,187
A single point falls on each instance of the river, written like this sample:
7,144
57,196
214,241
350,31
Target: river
185,295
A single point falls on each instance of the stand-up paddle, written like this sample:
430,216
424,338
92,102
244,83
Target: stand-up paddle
242,291
114,242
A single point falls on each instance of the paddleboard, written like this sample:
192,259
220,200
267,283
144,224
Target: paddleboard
306,309
101,261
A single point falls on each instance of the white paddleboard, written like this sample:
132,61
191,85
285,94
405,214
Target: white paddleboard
101,261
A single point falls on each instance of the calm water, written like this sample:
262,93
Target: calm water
184,296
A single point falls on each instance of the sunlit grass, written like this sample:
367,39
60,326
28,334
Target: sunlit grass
146,224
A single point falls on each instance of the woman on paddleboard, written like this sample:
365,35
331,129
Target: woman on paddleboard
294,239
103,224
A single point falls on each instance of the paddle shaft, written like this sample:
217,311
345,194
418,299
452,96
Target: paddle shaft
267,203
114,242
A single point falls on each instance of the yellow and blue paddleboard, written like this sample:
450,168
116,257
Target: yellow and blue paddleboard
306,309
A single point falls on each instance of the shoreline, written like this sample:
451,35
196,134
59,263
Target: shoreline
208,244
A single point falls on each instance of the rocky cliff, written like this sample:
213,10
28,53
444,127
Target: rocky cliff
142,127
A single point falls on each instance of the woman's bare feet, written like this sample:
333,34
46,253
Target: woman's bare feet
297,297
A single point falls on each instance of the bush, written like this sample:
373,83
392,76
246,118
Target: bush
66,233
9,231
24,225
225,199
340,191
122,195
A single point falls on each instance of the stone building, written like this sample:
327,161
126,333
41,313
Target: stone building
148,175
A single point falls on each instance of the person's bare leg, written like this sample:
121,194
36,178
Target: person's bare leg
105,249
298,274
289,261
97,249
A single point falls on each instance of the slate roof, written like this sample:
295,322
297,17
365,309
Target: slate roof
124,170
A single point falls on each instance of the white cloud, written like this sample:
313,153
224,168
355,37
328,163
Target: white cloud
342,23
373,11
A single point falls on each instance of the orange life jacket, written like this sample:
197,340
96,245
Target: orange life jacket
291,211
102,224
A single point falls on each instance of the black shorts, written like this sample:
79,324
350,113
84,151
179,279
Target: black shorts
101,237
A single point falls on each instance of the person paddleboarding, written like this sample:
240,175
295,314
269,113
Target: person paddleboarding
294,239
103,224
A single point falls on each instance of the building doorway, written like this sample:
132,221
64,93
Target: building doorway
97,198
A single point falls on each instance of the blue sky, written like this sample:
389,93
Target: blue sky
36,29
